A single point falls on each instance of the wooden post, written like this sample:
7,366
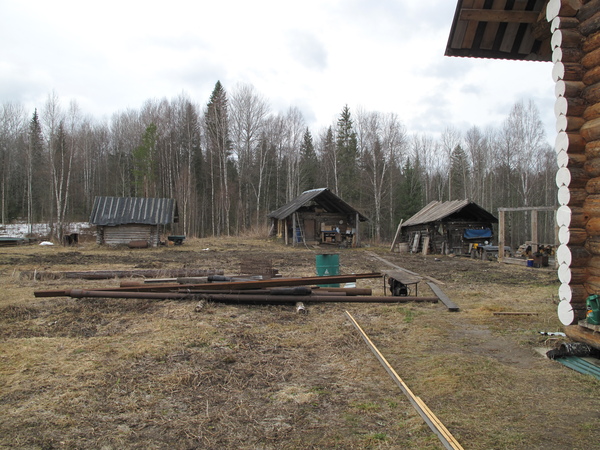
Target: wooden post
293,229
500,236
395,241
286,231
534,231
357,230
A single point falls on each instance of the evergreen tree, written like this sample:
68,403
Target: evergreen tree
459,173
347,157
218,152
35,167
410,190
309,164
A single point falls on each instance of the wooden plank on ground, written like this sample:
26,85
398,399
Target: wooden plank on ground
435,424
443,297
403,269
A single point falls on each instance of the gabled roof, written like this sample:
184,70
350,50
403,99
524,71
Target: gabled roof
133,210
501,29
436,211
323,197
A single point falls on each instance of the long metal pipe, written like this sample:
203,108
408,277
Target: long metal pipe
245,298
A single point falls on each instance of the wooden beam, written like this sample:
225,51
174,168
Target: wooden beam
501,236
430,419
529,208
490,15
443,297
581,334
396,236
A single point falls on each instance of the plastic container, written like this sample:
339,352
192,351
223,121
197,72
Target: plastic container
530,263
328,265
593,310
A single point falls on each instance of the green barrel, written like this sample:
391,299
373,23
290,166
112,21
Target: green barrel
593,310
328,265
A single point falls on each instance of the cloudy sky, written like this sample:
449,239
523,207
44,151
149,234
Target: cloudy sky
317,55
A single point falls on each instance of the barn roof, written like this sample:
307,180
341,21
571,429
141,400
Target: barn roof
500,29
323,197
113,211
460,209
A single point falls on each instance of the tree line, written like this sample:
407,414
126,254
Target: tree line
232,160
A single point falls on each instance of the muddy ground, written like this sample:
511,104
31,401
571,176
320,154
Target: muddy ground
115,373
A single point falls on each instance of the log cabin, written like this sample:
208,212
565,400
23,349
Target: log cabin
124,220
316,217
566,33
451,227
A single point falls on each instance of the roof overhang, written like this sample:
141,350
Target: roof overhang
500,29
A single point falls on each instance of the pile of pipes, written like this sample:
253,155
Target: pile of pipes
243,290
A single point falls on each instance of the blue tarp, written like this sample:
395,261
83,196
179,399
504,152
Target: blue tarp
478,234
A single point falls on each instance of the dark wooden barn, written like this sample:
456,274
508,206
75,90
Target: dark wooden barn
451,227
315,217
123,220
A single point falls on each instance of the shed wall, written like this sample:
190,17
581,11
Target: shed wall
124,234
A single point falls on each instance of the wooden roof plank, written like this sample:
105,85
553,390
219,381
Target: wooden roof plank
529,38
512,29
489,35
472,26
461,28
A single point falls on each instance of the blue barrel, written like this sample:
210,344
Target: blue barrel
328,265
298,235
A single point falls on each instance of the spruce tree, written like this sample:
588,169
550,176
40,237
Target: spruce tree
309,164
347,157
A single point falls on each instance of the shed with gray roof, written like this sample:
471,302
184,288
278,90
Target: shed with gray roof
122,220
448,227
317,216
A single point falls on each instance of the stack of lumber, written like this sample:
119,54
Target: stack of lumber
243,290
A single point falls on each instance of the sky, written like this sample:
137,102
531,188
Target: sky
316,55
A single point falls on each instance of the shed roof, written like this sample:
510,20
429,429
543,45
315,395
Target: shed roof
501,29
463,209
113,211
323,197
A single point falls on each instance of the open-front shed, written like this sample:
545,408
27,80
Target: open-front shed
123,220
448,227
317,216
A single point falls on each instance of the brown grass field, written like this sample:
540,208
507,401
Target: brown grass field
116,373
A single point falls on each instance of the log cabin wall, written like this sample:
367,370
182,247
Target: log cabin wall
124,234
575,26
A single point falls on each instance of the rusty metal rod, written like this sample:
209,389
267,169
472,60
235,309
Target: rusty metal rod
348,291
317,298
83,293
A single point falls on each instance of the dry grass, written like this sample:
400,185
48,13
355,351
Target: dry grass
112,373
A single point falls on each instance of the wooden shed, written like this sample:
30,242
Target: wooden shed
451,227
567,33
317,216
122,220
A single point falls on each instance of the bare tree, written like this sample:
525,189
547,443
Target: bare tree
450,139
12,127
249,111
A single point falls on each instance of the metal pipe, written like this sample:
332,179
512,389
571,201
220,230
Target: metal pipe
244,298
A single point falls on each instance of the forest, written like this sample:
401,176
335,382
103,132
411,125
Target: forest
229,160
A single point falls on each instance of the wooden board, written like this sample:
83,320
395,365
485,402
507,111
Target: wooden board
443,297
